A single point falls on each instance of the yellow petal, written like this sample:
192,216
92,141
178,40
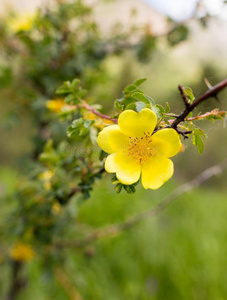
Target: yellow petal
156,171
125,167
167,142
111,139
136,124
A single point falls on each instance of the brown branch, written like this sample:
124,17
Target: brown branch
17,282
183,96
116,229
189,108
97,113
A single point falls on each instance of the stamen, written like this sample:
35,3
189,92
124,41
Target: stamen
141,148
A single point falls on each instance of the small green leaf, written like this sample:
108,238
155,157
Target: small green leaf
140,106
69,98
141,97
62,90
130,106
118,106
189,93
167,108
102,155
74,83
197,140
151,100
79,127
115,180
139,81
118,188
158,110
130,189
129,88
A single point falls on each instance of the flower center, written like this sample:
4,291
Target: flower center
141,148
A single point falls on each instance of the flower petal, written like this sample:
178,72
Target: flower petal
125,167
135,124
111,139
167,142
156,171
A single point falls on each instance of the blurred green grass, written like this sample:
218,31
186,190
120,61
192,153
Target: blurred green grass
179,254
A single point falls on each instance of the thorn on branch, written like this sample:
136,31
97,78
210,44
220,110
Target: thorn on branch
208,84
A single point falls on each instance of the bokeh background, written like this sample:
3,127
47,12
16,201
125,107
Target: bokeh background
179,254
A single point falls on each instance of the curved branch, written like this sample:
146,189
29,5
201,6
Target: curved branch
190,107
116,229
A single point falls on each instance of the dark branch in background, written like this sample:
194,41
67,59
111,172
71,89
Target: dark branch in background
17,283
189,107
116,229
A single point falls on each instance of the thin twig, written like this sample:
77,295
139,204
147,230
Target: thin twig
183,96
116,229
69,288
97,113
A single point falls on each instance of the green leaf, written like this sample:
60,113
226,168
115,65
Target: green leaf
167,108
141,97
130,106
130,189
64,89
189,93
102,155
79,127
115,179
197,141
118,188
140,106
69,98
129,88
151,100
158,110
74,83
215,115
139,81
198,133
118,106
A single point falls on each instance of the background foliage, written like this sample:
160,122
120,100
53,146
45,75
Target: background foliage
180,254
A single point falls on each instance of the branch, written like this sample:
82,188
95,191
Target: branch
183,96
212,92
97,113
131,222
17,282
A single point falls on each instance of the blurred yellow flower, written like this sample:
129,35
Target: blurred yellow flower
21,22
134,150
46,178
56,208
100,123
55,105
22,252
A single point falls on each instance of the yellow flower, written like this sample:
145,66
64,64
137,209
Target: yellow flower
22,252
55,105
56,208
134,150
21,22
46,178
99,122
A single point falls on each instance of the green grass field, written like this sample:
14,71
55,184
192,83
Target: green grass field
179,254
